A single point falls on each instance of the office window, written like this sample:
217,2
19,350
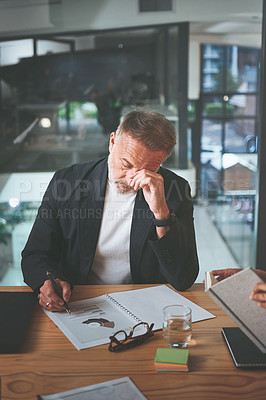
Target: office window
229,123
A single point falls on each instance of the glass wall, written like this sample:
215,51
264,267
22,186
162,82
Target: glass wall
229,123
60,98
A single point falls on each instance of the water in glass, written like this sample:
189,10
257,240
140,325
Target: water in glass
177,332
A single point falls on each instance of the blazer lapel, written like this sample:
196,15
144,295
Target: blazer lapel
142,223
91,208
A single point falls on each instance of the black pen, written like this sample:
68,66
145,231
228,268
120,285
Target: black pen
57,291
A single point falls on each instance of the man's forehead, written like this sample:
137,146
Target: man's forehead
127,141
137,155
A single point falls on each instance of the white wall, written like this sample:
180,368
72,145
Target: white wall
19,16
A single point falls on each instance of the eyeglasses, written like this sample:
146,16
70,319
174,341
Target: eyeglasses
122,341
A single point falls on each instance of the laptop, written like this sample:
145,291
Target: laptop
243,351
15,312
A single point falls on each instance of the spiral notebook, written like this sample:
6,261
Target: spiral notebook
93,321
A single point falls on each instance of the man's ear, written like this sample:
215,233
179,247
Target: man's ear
112,141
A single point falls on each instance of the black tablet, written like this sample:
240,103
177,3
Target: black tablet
243,351
15,313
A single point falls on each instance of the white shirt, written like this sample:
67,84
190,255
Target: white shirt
111,264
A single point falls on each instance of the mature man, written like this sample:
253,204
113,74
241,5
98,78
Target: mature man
121,220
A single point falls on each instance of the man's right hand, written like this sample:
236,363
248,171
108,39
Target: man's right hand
48,298
221,274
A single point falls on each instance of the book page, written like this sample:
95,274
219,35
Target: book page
122,388
209,280
147,304
91,321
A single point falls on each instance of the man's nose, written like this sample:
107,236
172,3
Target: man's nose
131,173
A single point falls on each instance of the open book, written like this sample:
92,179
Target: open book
232,295
93,321
209,280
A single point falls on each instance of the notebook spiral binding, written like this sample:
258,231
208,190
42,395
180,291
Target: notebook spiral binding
123,308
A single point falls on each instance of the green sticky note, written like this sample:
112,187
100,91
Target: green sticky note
172,356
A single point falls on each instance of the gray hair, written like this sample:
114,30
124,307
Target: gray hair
152,129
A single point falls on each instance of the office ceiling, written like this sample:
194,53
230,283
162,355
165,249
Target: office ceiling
247,25
51,16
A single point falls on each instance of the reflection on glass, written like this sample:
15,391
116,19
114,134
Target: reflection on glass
47,46
20,197
60,106
239,172
228,106
16,220
238,134
233,215
191,108
242,69
215,106
213,59
211,139
241,104
229,68
13,50
229,125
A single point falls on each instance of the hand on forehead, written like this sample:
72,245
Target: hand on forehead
134,155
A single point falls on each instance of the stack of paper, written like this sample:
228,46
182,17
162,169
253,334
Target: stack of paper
122,388
171,360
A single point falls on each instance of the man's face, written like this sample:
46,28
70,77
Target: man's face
127,156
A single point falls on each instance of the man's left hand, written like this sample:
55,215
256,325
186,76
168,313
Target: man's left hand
152,185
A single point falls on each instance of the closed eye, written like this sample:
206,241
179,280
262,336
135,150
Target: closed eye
126,164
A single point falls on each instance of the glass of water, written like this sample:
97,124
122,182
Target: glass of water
177,325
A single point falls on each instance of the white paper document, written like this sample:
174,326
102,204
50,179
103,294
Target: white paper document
116,389
93,321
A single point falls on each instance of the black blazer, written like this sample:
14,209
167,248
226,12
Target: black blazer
65,233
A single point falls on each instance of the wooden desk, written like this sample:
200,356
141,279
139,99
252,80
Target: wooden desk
49,363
